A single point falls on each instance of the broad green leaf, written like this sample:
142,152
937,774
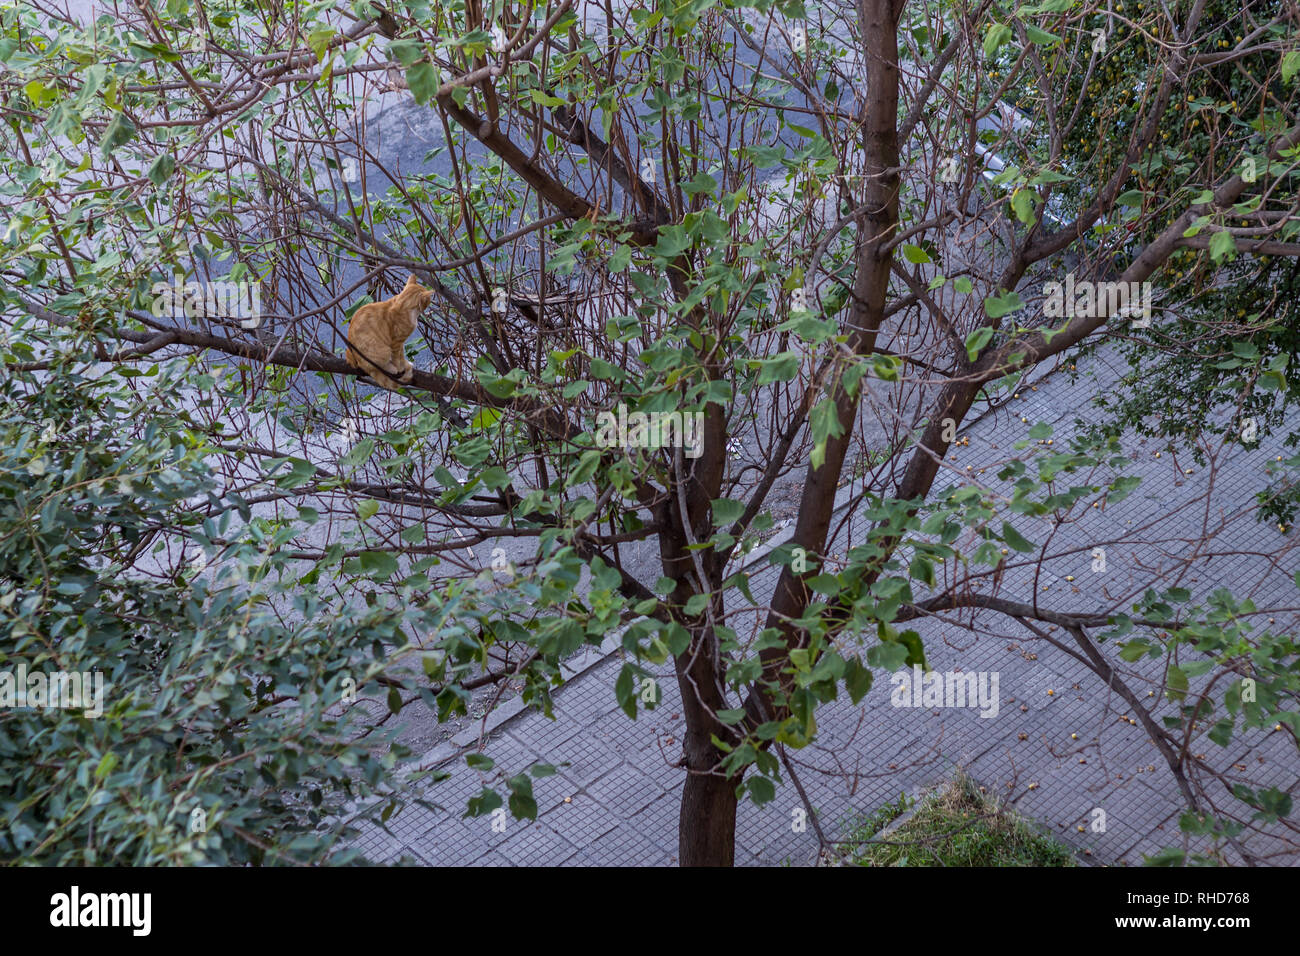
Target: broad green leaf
1222,245
857,679
1290,65
915,254
1040,36
1000,305
1014,538
1022,204
998,34
976,341
161,169
423,80
1176,683
119,130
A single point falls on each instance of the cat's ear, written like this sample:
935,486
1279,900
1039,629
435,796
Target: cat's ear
411,280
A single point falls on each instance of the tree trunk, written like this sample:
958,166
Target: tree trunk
706,831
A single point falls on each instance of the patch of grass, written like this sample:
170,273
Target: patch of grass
958,826
864,825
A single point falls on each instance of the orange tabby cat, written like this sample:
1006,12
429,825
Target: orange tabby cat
379,331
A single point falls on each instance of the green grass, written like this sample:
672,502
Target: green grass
863,826
956,826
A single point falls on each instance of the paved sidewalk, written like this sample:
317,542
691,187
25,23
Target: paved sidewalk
1060,746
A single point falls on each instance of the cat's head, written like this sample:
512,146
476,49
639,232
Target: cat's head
413,290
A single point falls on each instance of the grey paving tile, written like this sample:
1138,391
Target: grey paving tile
535,844
625,790
582,758
581,821
452,841
626,846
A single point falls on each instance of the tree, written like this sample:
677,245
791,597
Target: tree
769,219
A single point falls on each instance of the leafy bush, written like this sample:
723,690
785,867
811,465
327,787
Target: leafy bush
222,684
957,825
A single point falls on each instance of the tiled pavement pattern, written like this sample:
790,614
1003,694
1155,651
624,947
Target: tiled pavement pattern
616,803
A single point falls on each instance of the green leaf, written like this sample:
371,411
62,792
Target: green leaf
886,367
318,41
625,690
1169,856
1000,305
1022,204
888,656
782,367
915,649
161,169
915,254
1290,65
727,510
1221,732
119,130
672,241
378,565
1221,245
1013,537
544,99
766,156
1134,650
1039,36
1176,684
998,34
484,803
761,790
406,52
40,94
702,183
1121,487
423,80
857,679
695,604
479,761
976,341
433,665
605,371
825,422
106,765
1050,176
922,569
